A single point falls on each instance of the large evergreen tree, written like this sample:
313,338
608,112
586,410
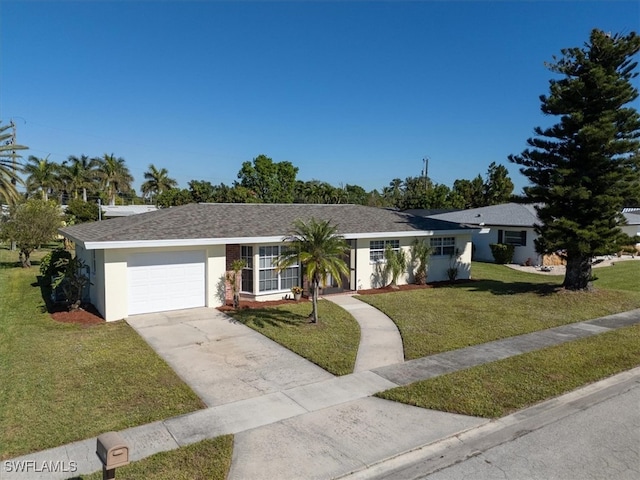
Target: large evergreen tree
582,168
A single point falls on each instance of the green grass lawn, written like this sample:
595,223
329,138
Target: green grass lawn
501,302
332,343
499,388
62,382
205,460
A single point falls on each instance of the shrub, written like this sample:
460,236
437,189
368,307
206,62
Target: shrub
502,253
48,264
79,211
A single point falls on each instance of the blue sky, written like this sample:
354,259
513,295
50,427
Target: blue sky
349,92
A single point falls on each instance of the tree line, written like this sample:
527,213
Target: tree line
109,180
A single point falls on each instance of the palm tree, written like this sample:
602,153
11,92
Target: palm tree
9,167
42,175
79,173
157,181
320,251
114,176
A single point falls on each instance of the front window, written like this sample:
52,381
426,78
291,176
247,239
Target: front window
443,245
377,248
271,280
246,254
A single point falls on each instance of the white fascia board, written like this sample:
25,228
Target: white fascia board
179,242
415,233
193,242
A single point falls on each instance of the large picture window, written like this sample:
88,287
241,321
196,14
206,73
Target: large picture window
513,237
377,247
443,245
269,279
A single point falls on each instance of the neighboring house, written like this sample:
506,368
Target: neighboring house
112,211
177,258
510,223
632,228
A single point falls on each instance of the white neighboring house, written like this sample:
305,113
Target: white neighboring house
632,228
177,258
510,223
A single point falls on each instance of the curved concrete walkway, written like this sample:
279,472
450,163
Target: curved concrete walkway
380,340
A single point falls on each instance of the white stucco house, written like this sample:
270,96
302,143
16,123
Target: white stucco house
509,223
177,258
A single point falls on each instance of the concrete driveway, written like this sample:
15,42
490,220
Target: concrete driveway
221,360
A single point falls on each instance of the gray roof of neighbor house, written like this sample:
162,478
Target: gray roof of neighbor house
632,216
506,214
237,220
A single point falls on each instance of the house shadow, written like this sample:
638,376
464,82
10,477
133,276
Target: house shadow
48,306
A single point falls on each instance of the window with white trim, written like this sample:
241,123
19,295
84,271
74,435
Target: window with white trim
443,245
377,248
268,278
246,254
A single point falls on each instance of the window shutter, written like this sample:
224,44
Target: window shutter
500,234
523,238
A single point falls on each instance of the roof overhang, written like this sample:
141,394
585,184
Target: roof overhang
191,242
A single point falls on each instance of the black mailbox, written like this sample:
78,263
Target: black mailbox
112,450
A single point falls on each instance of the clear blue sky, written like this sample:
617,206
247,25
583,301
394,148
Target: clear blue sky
349,92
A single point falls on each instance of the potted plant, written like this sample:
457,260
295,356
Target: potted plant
297,292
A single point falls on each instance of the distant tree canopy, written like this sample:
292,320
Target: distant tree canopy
583,168
271,182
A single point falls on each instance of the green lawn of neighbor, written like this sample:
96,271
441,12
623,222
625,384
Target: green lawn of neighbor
332,343
62,382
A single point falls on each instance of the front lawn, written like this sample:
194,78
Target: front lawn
63,382
332,343
499,388
501,302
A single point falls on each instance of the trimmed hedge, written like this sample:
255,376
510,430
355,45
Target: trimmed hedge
502,253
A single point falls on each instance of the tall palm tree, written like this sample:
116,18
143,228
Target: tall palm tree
42,176
320,251
157,181
114,176
79,173
9,166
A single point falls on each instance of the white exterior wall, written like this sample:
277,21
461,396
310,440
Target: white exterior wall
437,268
481,242
112,281
631,230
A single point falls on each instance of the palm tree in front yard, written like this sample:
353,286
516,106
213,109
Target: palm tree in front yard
320,251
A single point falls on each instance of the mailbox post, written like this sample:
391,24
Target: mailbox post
113,452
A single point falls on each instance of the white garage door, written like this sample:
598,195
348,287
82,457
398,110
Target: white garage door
165,281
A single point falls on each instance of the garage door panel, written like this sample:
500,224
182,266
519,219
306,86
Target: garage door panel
166,281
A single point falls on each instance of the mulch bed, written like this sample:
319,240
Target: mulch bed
86,315
253,304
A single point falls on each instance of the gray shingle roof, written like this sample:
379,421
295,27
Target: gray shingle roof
219,221
507,214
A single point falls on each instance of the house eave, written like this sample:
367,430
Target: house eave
191,242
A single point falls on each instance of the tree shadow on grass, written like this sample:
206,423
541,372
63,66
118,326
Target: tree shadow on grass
270,317
497,287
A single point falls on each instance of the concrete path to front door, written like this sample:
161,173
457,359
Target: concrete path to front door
380,340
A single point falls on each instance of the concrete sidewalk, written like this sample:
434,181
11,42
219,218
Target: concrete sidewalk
299,422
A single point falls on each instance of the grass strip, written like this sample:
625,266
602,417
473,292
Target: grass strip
499,388
205,460
332,343
501,302
62,382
